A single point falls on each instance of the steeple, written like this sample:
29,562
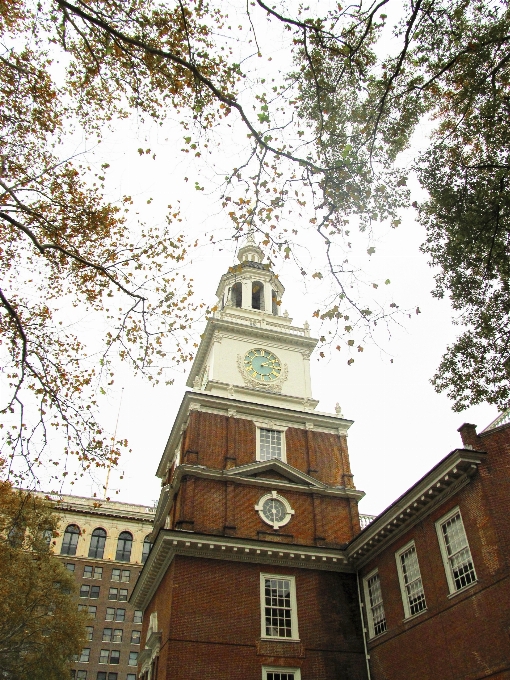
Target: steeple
250,285
250,350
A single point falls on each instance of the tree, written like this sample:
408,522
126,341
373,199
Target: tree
41,628
325,128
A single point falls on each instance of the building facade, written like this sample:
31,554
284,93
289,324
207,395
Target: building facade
260,567
104,544
435,568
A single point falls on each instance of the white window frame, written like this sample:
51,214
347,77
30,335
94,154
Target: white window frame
403,589
368,605
276,428
293,608
444,552
280,669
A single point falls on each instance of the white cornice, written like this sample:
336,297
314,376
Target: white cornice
245,475
445,479
294,475
288,417
214,326
171,543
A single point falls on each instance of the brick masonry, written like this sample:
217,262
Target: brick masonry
464,636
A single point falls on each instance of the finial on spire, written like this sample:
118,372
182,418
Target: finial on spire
250,251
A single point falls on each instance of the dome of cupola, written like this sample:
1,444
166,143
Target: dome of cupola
251,252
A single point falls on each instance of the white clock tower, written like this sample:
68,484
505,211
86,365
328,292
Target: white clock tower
249,350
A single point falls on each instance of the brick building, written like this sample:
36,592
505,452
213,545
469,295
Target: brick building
104,545
260,568
435,568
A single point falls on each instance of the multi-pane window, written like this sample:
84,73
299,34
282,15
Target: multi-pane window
107,656
133,659
104,655
70,567
113,593
70,542
117,635
270,444
89,630
121,575
455,551
91,609
137,616
118,594
107,634
97,543
375,607
281,673
115,614
278,604
115,656
92,572
89,591
85,655
411,584
147,546
131,676
135,637
102,675
78,675
124,545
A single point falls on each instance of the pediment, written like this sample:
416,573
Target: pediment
274,469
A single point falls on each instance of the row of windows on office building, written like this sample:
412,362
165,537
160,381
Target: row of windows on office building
95,572
458,564
98,541
108,656
101,675
112,613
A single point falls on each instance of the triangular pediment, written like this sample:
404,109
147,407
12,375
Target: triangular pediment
274,469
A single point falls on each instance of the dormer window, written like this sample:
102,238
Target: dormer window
257,295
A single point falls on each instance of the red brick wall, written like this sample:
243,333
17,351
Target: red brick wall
211,439
317,518
209,615
467,635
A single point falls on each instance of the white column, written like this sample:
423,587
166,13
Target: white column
246,299
268,294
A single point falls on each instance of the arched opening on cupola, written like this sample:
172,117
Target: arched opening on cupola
237,295
274,302
257,295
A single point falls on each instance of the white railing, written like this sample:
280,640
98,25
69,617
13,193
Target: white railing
365,520
263,323
502,419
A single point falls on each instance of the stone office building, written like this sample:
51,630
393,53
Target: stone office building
104,544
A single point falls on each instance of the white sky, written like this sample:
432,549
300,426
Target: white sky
401,426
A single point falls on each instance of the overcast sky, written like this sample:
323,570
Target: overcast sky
401,426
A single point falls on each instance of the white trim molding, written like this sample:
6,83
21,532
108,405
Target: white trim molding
455,551
411,584
263,512
284,606
269,672
374,604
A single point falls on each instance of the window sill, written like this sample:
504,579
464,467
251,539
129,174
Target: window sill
462,590
414,616
379,635
279,639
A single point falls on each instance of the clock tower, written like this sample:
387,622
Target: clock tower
248,575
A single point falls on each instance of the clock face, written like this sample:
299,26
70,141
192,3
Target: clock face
274,510
262,365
